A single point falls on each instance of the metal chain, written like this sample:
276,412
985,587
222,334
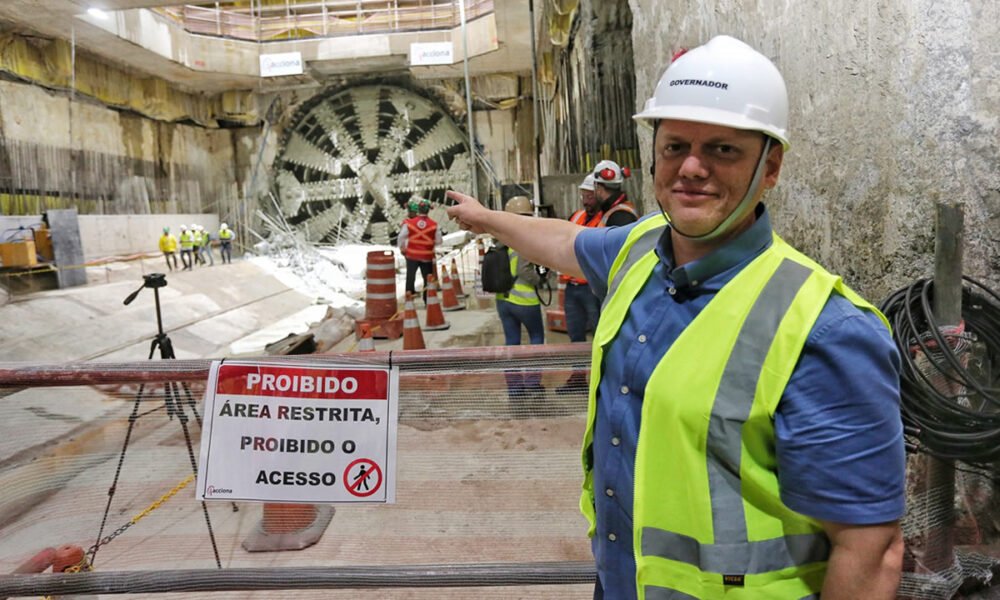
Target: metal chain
117,532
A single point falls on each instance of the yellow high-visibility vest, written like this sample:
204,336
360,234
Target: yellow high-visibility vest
708,520
523,293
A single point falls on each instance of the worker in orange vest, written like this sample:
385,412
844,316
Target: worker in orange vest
582,307
608,181
418,237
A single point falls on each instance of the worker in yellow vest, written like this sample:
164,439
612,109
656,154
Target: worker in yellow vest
196,247
521,306
187,247
226,243
743,435
206,246
168,246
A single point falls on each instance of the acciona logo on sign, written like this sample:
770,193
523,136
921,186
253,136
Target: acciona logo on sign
288,63
432,53
214,491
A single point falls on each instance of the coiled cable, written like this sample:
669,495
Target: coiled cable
962,425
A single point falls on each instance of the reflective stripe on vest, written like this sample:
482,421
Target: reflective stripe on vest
620,205
707,503
523,293
420,240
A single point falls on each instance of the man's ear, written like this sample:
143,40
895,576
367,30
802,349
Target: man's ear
772,166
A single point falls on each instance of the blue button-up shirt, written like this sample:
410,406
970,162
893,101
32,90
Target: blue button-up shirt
839,441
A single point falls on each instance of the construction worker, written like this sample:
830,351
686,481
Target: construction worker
187,247
206,246
226,243
418,237
168,246
522,307
582,307
198,241
616,207
744,437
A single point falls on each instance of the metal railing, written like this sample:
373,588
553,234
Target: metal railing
455,498
323,18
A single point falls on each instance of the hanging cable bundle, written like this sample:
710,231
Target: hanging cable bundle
950,380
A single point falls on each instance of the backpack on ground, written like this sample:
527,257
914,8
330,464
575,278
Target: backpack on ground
496,270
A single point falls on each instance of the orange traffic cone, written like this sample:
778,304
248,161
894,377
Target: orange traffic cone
367,344
456,281
435,318
448,300
289,527
413,338
37,563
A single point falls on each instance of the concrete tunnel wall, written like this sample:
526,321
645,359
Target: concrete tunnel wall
117,162
107,236
894,106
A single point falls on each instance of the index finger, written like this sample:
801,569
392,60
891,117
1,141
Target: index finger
459,197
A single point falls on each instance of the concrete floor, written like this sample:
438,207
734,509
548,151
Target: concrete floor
203,311
476,482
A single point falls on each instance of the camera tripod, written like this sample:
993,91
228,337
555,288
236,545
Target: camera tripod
172,397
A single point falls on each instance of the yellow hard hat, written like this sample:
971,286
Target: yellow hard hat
520,205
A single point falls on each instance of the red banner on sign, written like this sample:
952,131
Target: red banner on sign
289,382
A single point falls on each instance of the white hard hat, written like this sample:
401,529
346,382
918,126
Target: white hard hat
183,227
724,82
223,226
609,173
588,182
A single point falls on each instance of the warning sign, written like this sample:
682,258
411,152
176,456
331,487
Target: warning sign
363,477
302,433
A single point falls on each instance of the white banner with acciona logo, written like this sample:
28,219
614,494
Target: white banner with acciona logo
302,433
285,63
432,53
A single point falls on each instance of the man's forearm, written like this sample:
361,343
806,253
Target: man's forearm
547,242
872,572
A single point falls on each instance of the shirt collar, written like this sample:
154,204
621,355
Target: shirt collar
748,244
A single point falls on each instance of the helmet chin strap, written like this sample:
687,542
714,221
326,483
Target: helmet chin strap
742,209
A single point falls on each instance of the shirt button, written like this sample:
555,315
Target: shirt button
612,537
610,492
624,389
642,338
671,290
615,441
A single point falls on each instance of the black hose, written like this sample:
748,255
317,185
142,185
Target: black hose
963,426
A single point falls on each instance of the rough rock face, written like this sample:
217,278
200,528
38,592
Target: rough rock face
894,106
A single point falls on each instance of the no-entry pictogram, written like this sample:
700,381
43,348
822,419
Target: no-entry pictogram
362,477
